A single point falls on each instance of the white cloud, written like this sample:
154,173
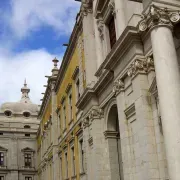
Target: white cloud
32,65
22,19
27,16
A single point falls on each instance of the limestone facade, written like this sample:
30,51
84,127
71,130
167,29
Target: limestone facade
111,112
126,117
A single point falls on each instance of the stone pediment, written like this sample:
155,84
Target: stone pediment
27,149
3,149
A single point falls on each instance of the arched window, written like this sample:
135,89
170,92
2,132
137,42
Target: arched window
8,113
113,137
26,114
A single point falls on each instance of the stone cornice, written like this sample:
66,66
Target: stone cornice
129,37
104,80
158,16
85,97
142,66
69,52
111,134
89,93
46,99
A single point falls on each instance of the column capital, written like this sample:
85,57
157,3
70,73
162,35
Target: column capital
111,6
85,123
100,26
141,65
86,7
118,86
158,16
96,113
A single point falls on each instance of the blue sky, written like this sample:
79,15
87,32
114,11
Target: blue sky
31,35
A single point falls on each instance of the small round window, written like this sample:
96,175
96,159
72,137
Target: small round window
8,113
26,114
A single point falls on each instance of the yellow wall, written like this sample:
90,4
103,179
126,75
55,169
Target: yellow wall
74,62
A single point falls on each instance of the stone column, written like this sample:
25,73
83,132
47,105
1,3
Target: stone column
89,42
99,36
160,21
119,11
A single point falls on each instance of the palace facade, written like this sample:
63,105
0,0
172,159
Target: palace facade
18,138
111,111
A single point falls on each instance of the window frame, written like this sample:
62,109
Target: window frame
30,152
4,152
72,157
66,164
81,155
28,178
2,177
28,160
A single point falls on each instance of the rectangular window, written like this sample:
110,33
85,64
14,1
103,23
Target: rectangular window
1,159
64,116
73,162
112,31
77,89
66,165
81,156
28,178
27,160
70,108
59,123
60,173
2,178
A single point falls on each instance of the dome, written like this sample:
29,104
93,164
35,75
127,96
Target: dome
24,106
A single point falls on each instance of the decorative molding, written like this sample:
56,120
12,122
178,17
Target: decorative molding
63,99
75,73
100,26
111,6
86,7
85,123
65,146
90,140
111,134
130,111
118,86
96,114
153,88
158,16
71,141
141,66
69,86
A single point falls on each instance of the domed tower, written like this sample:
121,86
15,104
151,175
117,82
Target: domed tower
18,132
22,108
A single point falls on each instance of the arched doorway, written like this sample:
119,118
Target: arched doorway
113,137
